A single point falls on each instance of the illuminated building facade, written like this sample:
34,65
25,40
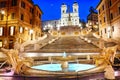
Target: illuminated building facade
50,24
16,16
69,18
109,19
92,20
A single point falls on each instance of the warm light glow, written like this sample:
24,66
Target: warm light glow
109,32
87,25
108,29
1,31
90,23
21,29
44,28
26,28
58,27
86,39
31,31
2,12
49,25
95,26
80,24
0,43
11,30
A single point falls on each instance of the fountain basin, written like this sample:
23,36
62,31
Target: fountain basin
72,67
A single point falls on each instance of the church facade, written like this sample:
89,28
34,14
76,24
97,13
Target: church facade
69,18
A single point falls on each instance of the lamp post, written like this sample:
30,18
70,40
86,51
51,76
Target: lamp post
31,33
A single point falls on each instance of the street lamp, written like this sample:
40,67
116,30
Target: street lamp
31,33
109,32
44,29
80,25
87,25
2,12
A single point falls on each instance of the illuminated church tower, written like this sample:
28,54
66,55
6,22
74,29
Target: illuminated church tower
69,18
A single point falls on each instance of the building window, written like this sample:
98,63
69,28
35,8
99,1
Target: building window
39,16
2,4
110,3
1,43
13,16
75,10
105,30
63,11
22,17
104,19
103,7
113,28
31,10
1,31
21,29
2,17
12,28
14,3
23,4
119,10
111,16
30,21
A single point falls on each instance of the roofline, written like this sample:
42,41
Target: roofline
99,4
39,8
91,13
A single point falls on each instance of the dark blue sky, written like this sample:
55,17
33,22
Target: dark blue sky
52,8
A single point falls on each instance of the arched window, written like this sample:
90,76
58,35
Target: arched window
75,10
63,11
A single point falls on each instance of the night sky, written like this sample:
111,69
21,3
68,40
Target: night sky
52,8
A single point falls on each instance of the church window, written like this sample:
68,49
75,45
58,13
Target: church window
63,11
75,10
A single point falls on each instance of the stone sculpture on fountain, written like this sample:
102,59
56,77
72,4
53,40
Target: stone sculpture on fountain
106,58
17,63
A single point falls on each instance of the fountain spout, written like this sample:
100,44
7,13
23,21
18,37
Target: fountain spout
64,55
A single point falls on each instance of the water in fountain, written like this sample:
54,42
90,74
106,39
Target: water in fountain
64,55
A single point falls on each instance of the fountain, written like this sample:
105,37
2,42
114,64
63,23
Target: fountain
64,65
24,66
64,61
